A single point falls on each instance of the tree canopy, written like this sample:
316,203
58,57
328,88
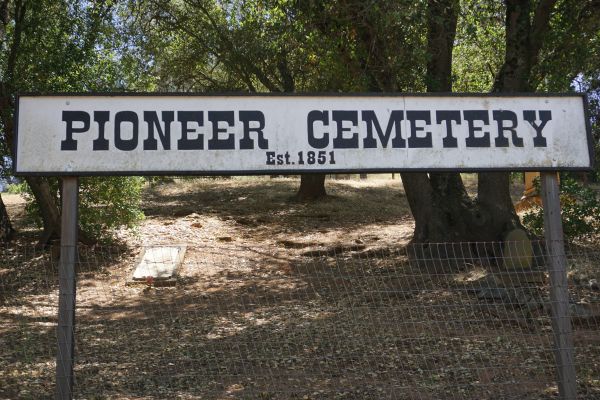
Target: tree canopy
307,46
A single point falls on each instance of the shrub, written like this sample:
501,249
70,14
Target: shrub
580,211
105,204
17,188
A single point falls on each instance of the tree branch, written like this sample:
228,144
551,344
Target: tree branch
230,46
20,11
539,28
3,18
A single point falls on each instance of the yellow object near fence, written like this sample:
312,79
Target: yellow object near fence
531,196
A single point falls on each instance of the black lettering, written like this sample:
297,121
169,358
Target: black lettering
185,143
101,117
477,115
215,142
70,117
313,116
126,144
341,142
396,116
270,158
505,115
545,115
448,116
151,118
246,143
415,141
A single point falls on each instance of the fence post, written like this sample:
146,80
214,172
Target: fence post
559,293
66,290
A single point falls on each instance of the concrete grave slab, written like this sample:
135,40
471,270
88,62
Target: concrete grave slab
159,263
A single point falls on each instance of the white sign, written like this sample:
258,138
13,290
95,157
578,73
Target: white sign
253,134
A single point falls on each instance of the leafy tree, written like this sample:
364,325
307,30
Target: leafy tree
528,33
55,45
105,203
525,32
407,46
206,46
580,208
350,45
479,45
258,46
535,46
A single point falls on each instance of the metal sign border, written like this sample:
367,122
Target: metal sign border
585,104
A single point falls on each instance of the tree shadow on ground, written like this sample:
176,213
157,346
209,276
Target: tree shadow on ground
263,203
317,329
247,325
249,321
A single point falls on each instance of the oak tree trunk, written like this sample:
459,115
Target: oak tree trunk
50,213
312,187
49,210
524,38
42,193
41,189
441,207
6,229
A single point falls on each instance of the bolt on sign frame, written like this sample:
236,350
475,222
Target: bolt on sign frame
75,134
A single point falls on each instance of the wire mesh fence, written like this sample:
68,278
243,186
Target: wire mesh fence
447,321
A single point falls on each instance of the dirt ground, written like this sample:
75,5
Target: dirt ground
278,299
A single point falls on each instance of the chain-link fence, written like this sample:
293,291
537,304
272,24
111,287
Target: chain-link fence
462,321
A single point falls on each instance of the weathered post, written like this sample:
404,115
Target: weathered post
559,294
66,290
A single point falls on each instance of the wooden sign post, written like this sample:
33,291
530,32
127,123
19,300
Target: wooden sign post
559,291
66,289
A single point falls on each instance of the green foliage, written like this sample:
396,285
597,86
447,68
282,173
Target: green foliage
17,188
266,45
479,45
592,87
281,45
516,177
580,211
69,46
108,203
571,46
105,204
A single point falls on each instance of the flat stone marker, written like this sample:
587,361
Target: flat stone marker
159,263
